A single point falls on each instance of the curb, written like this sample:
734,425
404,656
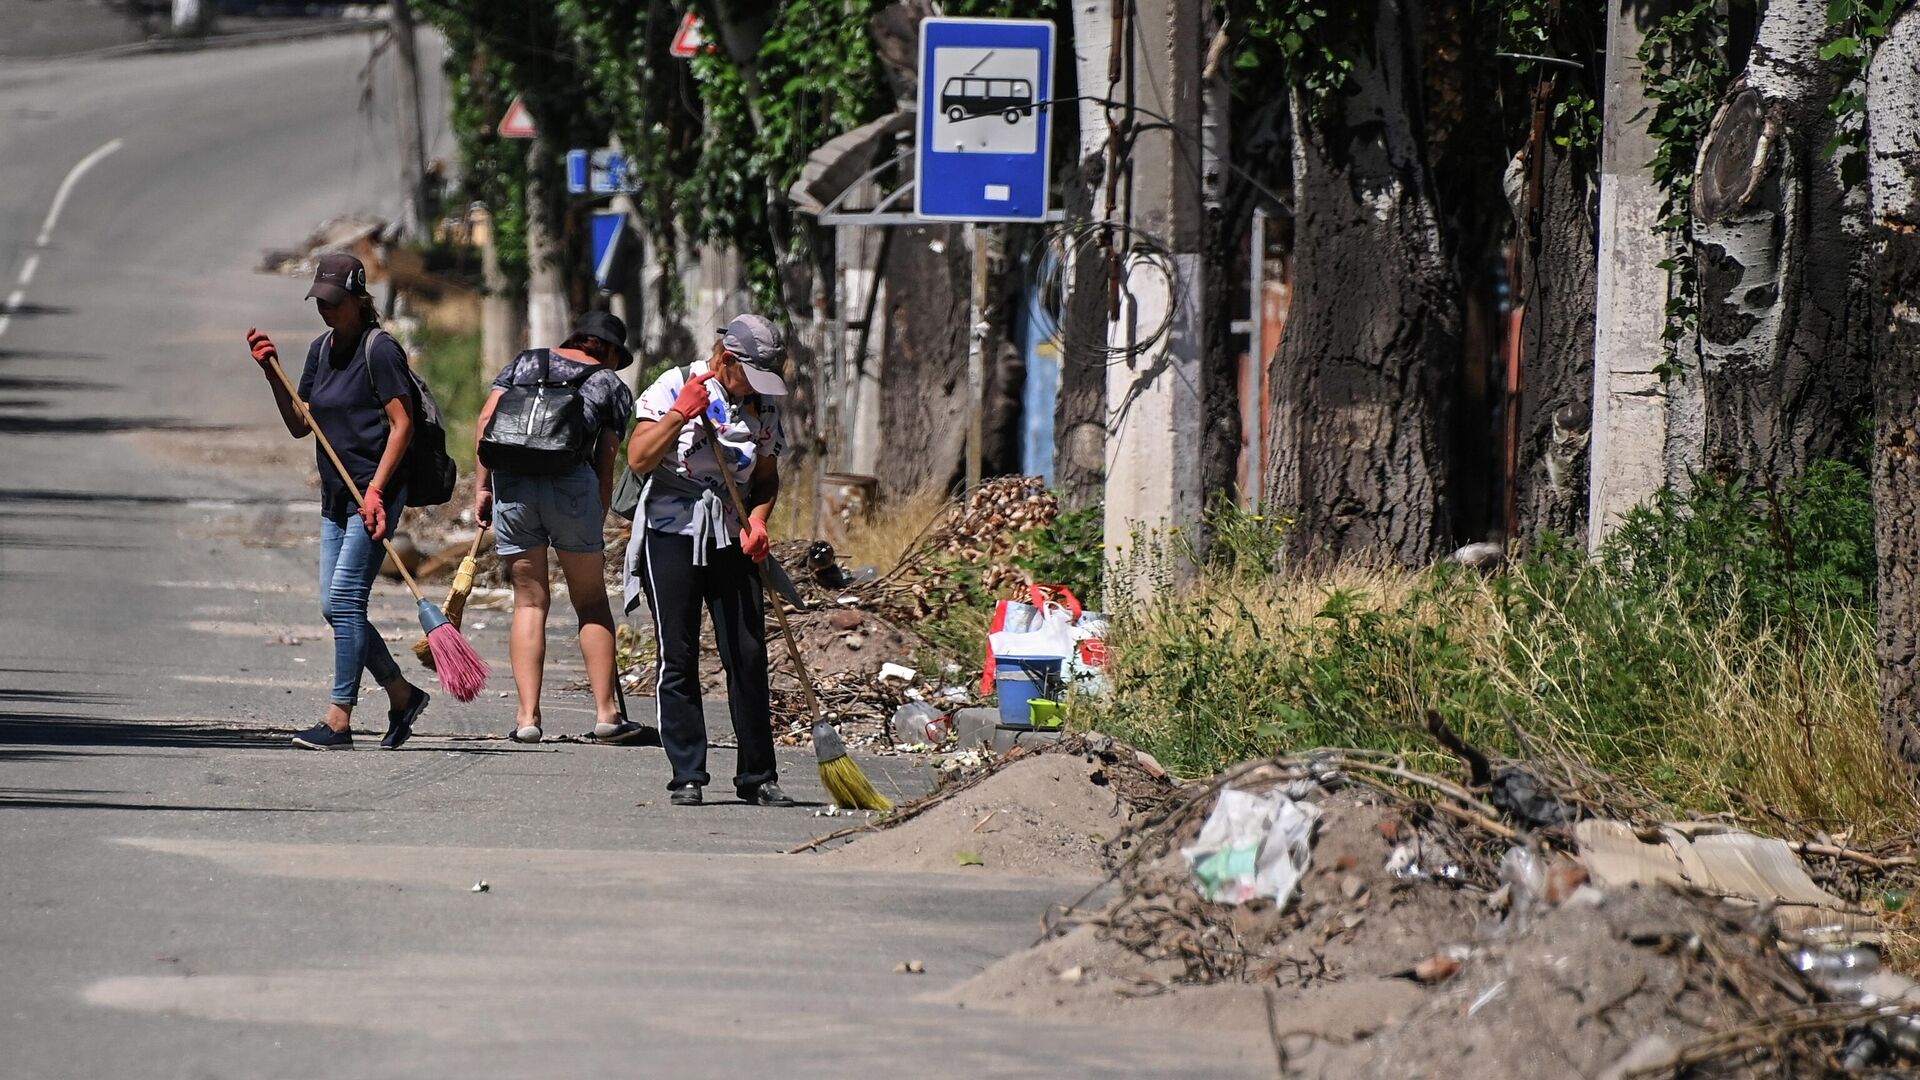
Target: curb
219,41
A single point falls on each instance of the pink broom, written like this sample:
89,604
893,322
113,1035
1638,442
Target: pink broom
462,673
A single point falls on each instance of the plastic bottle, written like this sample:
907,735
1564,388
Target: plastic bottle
920,722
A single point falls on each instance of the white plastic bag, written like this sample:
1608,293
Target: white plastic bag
1252,845
1048,637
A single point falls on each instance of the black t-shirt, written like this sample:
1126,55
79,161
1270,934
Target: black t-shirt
350,408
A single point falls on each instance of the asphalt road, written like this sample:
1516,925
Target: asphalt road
182,894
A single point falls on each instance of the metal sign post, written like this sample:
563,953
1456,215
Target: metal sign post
976,357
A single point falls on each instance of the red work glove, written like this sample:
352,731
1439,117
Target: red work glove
374,512
754,541
262,346
694,399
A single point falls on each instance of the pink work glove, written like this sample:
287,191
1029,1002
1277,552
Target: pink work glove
754,541
262,347
693,399
374,512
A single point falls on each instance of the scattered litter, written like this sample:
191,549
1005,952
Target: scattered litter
1487,998
1435,969
918,723
900,672
1252,845
482,886
1073,974
968,858
299,659
910,967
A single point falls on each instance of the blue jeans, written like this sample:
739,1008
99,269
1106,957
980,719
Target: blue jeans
349,560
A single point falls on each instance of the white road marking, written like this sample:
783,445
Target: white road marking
66,189
32,265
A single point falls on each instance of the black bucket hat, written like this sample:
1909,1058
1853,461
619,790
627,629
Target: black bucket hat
605,326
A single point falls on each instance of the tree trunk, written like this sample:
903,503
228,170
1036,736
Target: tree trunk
1358,408
1893,131
1783,350
406,120
1556,334
923,376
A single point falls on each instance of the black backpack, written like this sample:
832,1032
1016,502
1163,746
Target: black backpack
539,428
430,475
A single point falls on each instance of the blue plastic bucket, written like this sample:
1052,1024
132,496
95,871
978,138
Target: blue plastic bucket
1020,679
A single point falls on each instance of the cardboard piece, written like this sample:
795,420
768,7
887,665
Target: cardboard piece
1725,862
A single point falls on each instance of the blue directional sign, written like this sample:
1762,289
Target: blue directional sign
608,225
576,172
605,171
983,125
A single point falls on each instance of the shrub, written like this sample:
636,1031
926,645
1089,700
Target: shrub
1718,652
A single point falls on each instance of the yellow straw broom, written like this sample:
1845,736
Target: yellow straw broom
849,787
456,603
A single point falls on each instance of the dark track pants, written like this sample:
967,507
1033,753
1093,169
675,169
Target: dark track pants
729,587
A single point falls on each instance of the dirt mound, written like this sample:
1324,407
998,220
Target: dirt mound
1371,973
1048,815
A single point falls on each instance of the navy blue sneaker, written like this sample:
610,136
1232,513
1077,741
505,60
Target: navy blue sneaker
400,721
322,737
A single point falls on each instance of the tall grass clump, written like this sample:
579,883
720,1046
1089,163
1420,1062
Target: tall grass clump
1718,652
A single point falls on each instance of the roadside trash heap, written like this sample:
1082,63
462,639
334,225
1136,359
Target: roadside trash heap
1357,915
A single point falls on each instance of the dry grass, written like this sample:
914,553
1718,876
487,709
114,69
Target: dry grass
895,526
1710,713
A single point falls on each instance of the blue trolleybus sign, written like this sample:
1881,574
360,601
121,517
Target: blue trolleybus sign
983,125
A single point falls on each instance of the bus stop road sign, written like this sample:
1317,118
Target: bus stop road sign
606,171
984,125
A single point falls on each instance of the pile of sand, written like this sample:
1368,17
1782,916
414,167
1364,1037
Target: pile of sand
1049,815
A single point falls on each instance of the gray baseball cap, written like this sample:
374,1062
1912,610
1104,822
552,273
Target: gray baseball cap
759,345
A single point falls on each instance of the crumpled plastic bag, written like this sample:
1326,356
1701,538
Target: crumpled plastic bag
1252,845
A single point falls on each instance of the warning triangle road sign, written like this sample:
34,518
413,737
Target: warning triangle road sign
690,39
518,123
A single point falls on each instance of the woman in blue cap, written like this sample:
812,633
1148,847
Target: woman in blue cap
690,548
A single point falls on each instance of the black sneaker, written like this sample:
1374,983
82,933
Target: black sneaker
686,796
768,794
322,737
400,721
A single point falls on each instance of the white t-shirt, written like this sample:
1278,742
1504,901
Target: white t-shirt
748,430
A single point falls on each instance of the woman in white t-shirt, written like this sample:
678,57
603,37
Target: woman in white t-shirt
691,550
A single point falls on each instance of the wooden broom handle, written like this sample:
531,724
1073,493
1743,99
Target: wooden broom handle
307,415
766,576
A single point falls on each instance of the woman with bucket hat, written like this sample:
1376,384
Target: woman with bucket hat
357,389
690,548
547,438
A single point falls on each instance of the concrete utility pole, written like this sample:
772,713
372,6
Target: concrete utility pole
500,331
1630,403
1155,414
407,120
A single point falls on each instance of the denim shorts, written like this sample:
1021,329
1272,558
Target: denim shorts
562,511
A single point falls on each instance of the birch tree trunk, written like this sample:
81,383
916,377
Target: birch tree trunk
1777,237
1893,145
1358,408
